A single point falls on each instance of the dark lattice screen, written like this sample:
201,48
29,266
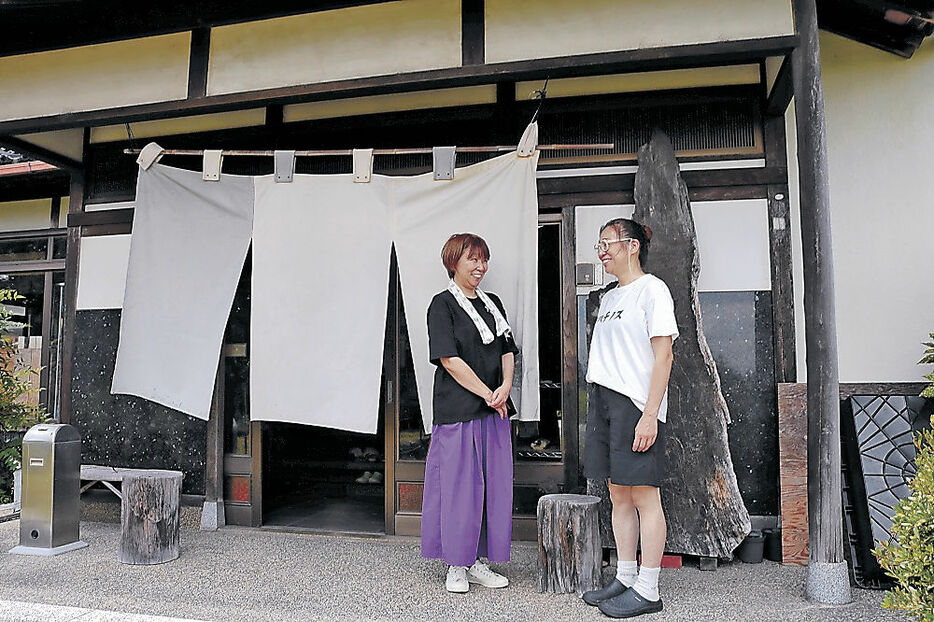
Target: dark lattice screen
695,127
879,461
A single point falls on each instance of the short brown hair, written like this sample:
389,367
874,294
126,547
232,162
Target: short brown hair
457,245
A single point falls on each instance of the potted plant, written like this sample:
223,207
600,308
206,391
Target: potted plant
16,414
909,556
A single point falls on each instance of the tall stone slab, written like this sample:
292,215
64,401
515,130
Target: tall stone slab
706,514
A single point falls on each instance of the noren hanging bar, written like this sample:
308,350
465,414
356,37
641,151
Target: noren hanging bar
402,151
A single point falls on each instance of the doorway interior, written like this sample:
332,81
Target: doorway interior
313,478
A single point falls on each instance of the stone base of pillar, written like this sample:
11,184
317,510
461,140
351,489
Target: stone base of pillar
829,584
212,515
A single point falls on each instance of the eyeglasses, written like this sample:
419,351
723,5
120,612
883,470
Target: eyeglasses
603,246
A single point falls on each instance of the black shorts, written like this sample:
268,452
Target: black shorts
611,429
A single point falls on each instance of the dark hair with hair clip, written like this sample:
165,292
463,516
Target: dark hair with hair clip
628,228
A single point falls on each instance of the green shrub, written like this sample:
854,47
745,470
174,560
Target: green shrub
16,414
909,556
928,358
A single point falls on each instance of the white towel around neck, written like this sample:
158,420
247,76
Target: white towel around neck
502,327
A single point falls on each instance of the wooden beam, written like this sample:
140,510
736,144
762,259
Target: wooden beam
47,287
213,510
828,578
782,90
391,396
70,295
849,389
625,197
638,60
37,185
783,304
123,228
13,267
45,353
198,62
693,179
570,397
40,153
55,213
102,217
256,473
34,233
473,36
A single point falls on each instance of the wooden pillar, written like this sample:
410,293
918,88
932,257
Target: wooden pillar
828,579
212,512
70,294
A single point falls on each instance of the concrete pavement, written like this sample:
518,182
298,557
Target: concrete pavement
250,574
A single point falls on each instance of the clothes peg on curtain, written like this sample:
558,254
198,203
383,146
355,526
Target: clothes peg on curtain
149,155
284,166
529,141
442,164
212,164
362,165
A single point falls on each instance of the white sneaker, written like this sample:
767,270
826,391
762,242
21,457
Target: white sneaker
481,573
457,580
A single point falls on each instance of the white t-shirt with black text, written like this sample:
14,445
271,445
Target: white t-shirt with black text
621,355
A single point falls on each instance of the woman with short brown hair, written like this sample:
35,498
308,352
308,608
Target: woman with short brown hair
467,501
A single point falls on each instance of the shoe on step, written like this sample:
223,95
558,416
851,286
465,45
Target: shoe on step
376,478
456,581
365,478
629,604
481,574
595,597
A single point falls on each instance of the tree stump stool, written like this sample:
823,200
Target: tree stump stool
149,517
569,544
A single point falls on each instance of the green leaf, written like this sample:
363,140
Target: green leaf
909,556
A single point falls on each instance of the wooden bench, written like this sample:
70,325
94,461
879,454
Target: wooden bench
93,474
149,510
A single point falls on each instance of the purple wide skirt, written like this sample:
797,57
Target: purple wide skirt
467,502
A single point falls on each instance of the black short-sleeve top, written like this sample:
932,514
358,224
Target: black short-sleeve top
451,333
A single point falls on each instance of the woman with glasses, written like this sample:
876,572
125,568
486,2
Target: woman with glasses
630,362
467,500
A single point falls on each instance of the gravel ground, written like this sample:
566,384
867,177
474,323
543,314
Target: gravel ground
250,574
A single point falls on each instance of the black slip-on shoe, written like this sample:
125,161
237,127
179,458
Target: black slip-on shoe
629,604
595,597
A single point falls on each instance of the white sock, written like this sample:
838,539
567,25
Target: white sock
626,572
647,583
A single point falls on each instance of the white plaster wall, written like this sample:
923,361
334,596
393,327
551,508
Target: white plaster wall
92,77
642,81
528,29
373,104
180,125
880,136
102,272
378,39
25,215
69,143
728,262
